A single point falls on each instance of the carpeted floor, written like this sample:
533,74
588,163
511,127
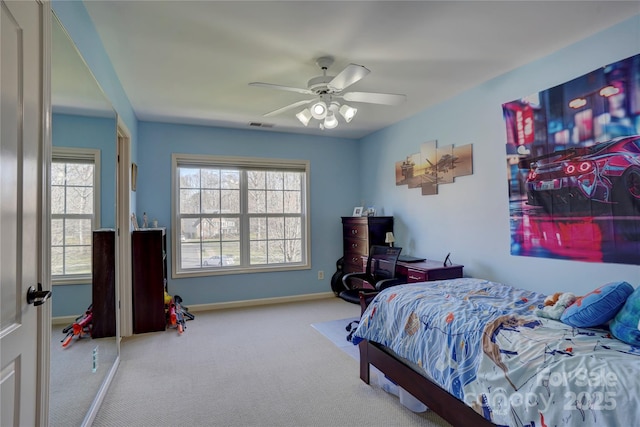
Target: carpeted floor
339,333
74,381
260,366
336,332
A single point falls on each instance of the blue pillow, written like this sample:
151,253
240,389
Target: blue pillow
598,306
626,325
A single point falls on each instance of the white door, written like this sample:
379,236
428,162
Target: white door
21,138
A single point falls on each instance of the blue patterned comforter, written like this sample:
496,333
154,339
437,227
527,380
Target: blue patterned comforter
481,341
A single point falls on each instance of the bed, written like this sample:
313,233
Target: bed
475,352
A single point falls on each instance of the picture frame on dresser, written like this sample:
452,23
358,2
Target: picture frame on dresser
357,211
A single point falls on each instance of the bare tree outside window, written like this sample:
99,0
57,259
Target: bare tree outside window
72,216
238,217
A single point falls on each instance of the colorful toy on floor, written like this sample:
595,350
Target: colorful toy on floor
80,328
177,314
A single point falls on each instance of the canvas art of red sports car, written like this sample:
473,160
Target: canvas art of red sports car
601,176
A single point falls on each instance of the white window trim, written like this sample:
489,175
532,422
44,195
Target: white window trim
244,162
79,154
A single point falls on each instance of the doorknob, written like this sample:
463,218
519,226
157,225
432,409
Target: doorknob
37,297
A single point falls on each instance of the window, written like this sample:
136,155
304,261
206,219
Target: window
239,215
75,199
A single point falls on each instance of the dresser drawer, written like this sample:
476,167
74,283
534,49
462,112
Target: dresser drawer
357,230
355,246
352,262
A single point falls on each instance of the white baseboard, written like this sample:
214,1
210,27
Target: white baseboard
257,302
63,320
67,320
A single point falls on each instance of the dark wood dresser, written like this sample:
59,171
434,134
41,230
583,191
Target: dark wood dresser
149,265
103,292
358,234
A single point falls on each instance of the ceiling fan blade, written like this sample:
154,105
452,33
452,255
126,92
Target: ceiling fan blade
375,98
279,87
288,107
351,74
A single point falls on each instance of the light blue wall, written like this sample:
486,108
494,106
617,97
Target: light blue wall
335,172
98,133
75,131
470,218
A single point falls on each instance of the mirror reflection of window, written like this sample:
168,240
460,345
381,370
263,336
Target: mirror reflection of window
74,204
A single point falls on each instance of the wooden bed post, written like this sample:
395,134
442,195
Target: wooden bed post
364,361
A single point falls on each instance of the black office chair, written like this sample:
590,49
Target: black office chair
380,273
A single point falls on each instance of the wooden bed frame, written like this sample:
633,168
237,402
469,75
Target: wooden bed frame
436,398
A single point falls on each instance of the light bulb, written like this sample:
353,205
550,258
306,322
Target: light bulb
330,121
304,116
319,110
348,112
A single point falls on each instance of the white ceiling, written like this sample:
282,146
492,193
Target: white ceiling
191,61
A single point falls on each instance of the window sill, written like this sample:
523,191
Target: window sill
229,271
68,280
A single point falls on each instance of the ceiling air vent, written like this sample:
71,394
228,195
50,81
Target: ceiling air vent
261,125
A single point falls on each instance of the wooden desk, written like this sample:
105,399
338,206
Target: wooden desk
426,271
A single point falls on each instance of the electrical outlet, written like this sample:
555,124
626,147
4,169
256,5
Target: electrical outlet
320,275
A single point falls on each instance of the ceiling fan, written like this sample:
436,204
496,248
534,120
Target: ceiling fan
328,94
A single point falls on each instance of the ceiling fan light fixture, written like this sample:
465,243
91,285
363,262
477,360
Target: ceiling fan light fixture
330,121
319,110
348,112
304,116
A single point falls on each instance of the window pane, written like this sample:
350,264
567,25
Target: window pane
77,232
293,229
57,260
230,202
57,200
210,201
190,255
258,228
80,200
275,252
257,200
57,173
258,252
292,181
189,201
275,228
275,202
292,202
211,255
57,232
293,250
256,180
210,228
230,229
210,178
78,260
231,253
189,229
189,178
80,174
230,179
275,180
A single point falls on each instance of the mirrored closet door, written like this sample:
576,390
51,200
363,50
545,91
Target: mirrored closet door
83,211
